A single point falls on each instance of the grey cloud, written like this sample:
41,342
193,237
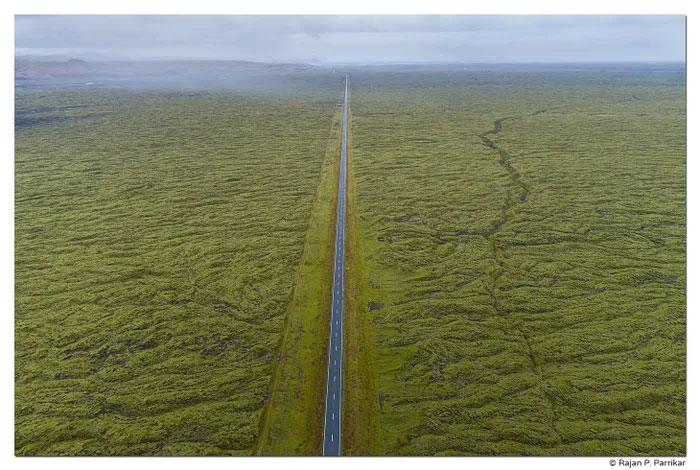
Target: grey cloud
356,38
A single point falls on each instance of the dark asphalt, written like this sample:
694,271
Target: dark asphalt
334,389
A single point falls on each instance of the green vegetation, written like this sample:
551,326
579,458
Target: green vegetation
360,407
515,265
522,264
294,420
157,238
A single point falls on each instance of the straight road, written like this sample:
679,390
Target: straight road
334,387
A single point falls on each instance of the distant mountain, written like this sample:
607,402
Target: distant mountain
81,70
30,70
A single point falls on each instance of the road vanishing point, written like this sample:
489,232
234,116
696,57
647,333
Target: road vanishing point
334,388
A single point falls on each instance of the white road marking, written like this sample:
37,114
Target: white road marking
339,273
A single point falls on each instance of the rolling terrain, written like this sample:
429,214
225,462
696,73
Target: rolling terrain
519,264
158,239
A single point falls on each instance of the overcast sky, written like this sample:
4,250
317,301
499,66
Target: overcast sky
358,39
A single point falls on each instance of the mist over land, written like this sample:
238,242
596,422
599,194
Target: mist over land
249,75
233,51
242,51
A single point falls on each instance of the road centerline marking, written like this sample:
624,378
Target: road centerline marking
333,406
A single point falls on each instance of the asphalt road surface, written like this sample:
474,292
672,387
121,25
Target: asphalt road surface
334,388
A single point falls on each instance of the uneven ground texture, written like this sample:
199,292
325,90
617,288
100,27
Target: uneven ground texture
157,239
519,264
293,423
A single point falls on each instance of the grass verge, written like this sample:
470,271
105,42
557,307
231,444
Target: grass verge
361,433
293,423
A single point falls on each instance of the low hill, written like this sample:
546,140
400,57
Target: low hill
81,70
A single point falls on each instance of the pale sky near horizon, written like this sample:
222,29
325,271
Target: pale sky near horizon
355,39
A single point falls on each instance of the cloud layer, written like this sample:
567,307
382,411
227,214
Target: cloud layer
357,39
